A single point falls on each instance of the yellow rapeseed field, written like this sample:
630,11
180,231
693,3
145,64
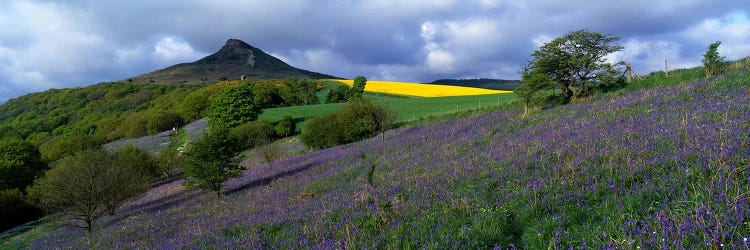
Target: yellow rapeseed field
422,90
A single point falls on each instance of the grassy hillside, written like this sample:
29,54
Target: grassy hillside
659,165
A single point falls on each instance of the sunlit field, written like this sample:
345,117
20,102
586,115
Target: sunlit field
422,90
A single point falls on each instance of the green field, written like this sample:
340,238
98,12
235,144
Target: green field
408,108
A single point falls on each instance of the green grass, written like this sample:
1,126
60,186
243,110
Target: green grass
409,109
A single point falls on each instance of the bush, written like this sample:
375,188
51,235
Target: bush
358,120
322,132
250,134
15,210
89,185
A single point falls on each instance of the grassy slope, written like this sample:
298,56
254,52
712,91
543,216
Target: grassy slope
659,165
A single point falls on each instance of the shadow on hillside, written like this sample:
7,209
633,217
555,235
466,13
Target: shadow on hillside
267,180
166,202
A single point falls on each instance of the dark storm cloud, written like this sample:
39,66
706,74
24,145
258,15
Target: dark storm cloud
54,44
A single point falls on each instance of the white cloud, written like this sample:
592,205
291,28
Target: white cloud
648,56
540,40
733,30
440,61
171,50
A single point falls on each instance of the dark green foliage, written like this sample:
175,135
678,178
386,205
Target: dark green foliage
267,95
712,61
20,164
14,210
234,107
338,95
322,132
356,121
299,92
212,160
88,185
358,88
286,127
576,62
251,134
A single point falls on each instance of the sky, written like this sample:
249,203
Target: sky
73,43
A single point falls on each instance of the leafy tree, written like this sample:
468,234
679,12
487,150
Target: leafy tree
530,89
286,126
88,185
358,88
212,160
712,61
340,94
576,62
234,107
20,164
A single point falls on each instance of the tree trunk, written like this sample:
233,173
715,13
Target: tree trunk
567,94
89,223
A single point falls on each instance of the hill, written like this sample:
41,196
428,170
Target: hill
496,84
648,167
234,60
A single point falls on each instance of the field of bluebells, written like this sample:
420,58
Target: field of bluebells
663,167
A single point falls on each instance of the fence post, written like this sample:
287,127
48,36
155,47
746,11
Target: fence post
629,73
666,67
